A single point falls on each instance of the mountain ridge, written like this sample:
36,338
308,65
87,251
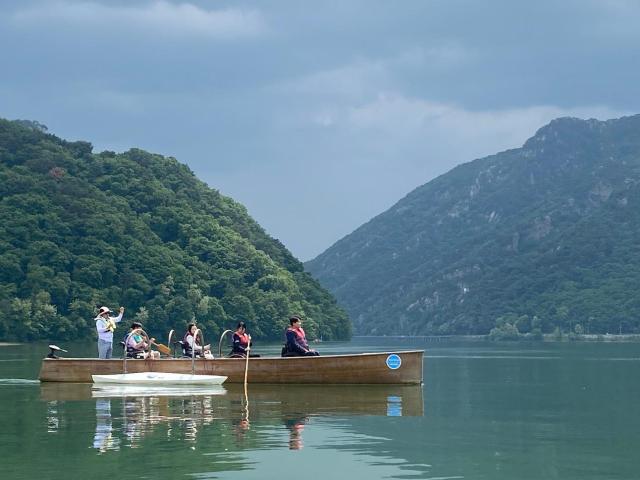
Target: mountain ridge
434,262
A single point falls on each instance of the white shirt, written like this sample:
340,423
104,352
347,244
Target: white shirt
101,327
197,348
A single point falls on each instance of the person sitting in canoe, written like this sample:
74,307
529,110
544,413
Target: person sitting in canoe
297,345
241,342
138,345
193,348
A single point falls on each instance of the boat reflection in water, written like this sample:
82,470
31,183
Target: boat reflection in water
125,415
119,391
103,439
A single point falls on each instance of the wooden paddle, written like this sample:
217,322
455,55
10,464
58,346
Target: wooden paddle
162,348
246,369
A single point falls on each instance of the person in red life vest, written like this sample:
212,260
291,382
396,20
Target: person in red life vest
297,345
241,341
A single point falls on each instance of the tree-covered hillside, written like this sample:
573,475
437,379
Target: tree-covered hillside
79,230
541,238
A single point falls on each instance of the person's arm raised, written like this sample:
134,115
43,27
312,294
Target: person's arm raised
119,317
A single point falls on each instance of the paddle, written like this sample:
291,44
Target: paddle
246,394
152,341
246,367
162,348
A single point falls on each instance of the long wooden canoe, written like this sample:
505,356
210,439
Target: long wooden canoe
363,368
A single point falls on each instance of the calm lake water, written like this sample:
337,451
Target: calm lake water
486,411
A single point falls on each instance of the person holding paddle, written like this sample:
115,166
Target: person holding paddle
105,325
139,345
241,342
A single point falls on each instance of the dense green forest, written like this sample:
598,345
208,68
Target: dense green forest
540,239
79,230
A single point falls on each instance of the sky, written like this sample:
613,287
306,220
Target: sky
317,116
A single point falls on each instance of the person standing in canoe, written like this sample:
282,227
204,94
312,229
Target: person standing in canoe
105,325
297,345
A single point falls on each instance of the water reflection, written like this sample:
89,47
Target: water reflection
53,419
121,391
241,428
295,425
186,414
137,420
499,418
103,439
126,415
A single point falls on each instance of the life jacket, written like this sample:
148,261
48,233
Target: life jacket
244,339
131,351
300,336
240,344
111,325
187,351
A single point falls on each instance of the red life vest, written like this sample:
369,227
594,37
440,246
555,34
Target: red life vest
302,338
244,339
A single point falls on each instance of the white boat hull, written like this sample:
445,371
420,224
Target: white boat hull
157,378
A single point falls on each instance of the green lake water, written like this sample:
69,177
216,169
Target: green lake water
486,411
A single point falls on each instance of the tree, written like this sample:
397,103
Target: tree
139,230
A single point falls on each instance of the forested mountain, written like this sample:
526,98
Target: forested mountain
79,230
542,238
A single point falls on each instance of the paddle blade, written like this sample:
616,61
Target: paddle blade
163,348
57,348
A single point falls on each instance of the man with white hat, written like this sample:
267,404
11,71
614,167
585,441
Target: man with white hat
105,325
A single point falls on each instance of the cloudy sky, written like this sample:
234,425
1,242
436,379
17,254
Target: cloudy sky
316,115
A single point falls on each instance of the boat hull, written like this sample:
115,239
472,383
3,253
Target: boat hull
364,368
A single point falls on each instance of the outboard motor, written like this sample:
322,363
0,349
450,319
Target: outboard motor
54,349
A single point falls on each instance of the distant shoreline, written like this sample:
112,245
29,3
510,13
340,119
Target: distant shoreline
547,337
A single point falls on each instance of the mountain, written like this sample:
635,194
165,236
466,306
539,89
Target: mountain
79,230
543,238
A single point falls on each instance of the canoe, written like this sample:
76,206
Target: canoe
398,368
158,379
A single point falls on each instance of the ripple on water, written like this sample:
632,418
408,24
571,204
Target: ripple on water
18,381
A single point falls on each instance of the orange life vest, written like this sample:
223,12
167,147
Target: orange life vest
244,339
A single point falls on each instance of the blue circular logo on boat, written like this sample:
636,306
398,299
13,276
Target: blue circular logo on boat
394,361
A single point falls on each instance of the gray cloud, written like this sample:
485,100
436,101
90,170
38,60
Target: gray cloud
161,17
316,118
